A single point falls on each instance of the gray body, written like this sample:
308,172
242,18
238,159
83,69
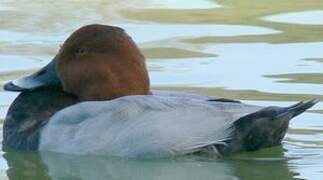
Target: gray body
162,125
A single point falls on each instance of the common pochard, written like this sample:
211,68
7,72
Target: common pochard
94,98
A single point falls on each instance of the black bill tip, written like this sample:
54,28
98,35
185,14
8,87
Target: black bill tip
10,86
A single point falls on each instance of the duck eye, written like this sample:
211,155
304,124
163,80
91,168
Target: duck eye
80,52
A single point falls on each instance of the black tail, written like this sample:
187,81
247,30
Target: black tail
264,128
300,107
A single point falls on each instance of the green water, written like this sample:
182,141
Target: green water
267,52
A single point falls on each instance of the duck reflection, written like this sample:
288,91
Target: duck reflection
43,166
26,165
269,163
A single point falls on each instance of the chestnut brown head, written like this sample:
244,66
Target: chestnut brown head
97,62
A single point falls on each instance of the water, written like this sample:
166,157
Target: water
261,52
307,17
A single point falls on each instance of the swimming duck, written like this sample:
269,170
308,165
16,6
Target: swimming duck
94,98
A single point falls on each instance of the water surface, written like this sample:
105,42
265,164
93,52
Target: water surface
260,52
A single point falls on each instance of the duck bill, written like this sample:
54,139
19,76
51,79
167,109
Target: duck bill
45,77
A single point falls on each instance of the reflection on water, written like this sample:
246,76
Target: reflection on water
12,63
183,4
21,37
237,59
58,166
156,32
263,53
308,17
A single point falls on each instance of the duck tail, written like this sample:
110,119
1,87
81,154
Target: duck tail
264,128
299,108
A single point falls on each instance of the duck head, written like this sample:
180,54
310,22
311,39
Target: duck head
97,62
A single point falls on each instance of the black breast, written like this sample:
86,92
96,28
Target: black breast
29,112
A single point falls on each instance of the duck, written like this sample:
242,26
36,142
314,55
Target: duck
94,98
